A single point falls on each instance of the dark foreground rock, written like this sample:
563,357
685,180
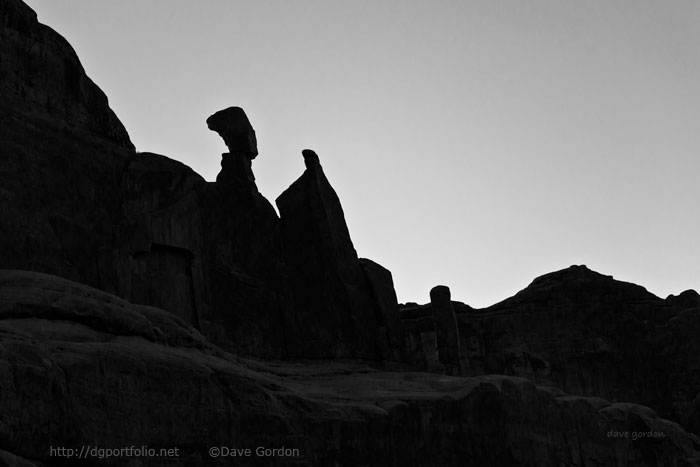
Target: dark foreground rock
81,367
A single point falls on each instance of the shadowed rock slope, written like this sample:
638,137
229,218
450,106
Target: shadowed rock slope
82,367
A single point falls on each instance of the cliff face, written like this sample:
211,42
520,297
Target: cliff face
62,152
43,78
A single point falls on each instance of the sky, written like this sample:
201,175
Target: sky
474,144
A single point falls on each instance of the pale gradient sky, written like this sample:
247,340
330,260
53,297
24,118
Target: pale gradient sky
475,144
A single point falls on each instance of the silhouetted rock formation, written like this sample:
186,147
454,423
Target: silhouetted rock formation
446,331
336,311
311,159
43,79
82,366
233,126
78,202
381,287
63,152
251,308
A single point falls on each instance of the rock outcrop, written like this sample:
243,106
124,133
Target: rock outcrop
335,308
251,307
43,78
62,151
585,333
79,202
80,367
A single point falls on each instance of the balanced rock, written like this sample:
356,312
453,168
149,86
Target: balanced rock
233,126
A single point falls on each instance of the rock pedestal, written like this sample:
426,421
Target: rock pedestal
235,169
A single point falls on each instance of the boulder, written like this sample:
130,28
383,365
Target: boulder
233,126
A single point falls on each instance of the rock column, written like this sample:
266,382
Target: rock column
446,330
